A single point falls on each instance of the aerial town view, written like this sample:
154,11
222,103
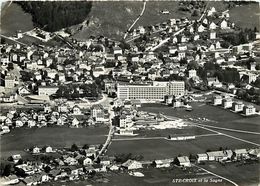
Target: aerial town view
122,93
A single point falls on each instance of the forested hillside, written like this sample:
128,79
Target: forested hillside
52,16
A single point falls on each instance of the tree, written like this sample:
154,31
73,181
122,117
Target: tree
74,148
195,13
47,169
10,66
20,172
3,41
192,65
20,161
52,16
7,170
183,61
86,146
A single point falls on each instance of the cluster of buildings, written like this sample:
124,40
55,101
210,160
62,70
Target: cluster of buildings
236,106
70,164
133,72
60,115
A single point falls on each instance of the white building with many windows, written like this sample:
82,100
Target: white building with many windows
249,110
153,92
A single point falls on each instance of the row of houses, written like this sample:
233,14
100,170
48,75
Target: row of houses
60,115
235,106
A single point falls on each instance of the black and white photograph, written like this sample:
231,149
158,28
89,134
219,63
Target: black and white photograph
130,93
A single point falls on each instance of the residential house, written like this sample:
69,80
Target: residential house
90,152
211,11
36,150
76,110
132,165
227,103
8,121
254,153
215,155
212,34
163,163
212,26
47,108
213,81
70,161
97,112
48,149
87,161
47,90
192,73
237,106
99,168
23,90
4,129
75,122
16,158
228,155
18,123
183,161
63,108
224,24
249,110
117,50
201,28
202,157
9,82
31,123
240,153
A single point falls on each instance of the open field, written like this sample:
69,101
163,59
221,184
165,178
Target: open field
14,18
187,131
110,18
250,17
219,117
243,174
152,15
19,139
116,17
161,148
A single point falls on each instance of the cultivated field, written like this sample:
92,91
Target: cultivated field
20,139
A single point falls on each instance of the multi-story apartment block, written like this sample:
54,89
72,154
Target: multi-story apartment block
154,92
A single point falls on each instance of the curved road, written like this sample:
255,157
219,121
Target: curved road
142,12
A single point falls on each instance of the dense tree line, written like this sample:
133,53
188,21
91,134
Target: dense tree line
52,16
228,75
72,91
250,95
241,37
